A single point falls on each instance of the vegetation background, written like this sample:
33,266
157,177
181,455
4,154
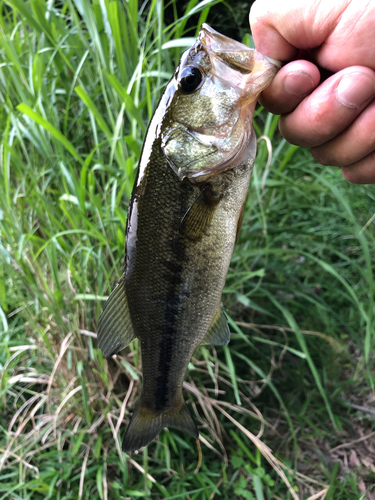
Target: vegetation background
79,81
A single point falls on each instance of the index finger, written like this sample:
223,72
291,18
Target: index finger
280,28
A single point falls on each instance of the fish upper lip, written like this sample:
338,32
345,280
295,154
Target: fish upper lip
212,39
273,61
219,44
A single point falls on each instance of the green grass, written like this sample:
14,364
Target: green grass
79,81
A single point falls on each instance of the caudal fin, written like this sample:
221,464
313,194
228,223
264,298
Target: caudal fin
145,425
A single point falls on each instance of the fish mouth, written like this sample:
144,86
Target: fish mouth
250,72
210,135
232,60
220,138
243,150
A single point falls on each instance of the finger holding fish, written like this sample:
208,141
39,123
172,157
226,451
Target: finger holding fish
357,164
330,108
336,36
334,120
331,119
295,81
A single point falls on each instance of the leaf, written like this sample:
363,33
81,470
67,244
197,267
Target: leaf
130,108
50,128
94,110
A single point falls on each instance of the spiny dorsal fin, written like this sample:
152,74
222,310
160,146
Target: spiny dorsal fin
115,330
218,333
145,425
198,218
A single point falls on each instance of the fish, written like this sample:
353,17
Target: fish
183,221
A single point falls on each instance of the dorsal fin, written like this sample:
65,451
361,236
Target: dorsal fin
218,333
115,330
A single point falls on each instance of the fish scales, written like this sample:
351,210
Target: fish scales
184,276
183,221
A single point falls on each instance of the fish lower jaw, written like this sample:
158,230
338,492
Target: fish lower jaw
241,155
210,136
206,139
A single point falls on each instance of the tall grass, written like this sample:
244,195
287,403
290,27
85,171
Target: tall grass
79,81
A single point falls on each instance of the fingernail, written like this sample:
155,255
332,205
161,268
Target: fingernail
298,83
355,89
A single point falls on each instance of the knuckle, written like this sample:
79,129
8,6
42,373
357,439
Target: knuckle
287,130
362,172
350,175
322,121
311,125
322,158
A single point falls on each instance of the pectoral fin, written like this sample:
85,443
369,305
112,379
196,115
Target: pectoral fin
198,218
218,333
239,223
115,330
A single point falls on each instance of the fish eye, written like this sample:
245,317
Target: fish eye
190,79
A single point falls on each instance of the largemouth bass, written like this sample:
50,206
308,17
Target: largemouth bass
185,213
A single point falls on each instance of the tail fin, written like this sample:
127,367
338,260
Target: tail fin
145,425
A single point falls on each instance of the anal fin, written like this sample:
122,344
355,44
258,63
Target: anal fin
115,330
218,333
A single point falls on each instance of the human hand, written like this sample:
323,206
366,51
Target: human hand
336,118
